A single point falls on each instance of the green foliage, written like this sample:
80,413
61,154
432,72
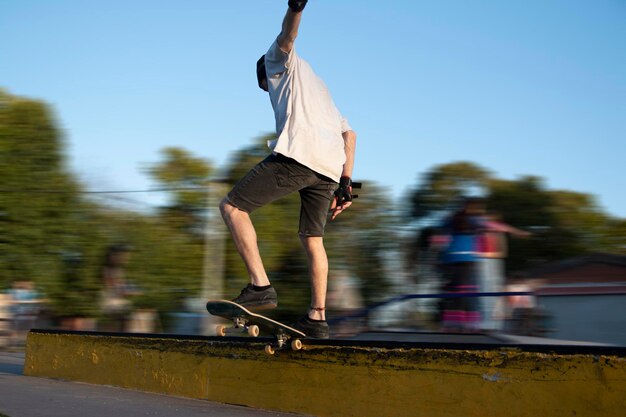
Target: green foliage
187,178
443,186
526,204
51,234
614,237
184,173
39,200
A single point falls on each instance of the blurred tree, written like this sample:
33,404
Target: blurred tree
49,233
174,252
187,179
526,204
39,203
614,237
595,229
442,187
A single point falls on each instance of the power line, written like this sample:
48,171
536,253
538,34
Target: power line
153,190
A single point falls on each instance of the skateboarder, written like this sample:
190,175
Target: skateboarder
313,154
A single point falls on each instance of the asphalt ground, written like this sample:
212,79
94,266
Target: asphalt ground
23,396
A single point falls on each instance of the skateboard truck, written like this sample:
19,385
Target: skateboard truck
281,341
240,325
245,321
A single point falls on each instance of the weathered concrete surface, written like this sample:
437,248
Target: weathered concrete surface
24,396
327,380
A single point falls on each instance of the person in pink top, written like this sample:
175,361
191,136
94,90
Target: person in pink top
492,250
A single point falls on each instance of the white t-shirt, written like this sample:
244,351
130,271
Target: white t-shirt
308,125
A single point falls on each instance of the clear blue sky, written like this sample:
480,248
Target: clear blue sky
520,87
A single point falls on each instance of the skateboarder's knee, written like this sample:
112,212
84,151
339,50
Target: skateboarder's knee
230,212
312,244
226,208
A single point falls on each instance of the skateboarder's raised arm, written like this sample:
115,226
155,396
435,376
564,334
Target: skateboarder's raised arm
291,23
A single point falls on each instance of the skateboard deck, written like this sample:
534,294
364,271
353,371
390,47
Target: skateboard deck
245,320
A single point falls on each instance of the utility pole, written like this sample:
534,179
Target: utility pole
214,247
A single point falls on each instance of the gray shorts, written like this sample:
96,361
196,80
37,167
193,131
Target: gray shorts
277,176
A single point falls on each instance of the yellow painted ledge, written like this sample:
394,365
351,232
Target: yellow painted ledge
340,380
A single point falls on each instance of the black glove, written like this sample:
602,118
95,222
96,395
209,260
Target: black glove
297,5
344,192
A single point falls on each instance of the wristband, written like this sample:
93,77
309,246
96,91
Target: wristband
344,192
297,6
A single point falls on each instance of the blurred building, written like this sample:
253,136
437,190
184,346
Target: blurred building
585,297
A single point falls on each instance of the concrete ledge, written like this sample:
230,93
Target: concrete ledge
342,380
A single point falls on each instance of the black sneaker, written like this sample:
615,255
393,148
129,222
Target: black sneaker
257,299
312,328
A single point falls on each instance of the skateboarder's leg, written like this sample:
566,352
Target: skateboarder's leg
318,271
260,186
316,201
245,239
314,324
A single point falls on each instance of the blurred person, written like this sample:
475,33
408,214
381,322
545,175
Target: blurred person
25,303
493,252
115,294
458,262
5,320
313,154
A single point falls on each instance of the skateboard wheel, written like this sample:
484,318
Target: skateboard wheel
296,344
253,330
269,349
220,330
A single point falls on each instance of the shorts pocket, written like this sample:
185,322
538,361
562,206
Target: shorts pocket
294,176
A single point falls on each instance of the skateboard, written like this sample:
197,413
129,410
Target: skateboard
251,323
